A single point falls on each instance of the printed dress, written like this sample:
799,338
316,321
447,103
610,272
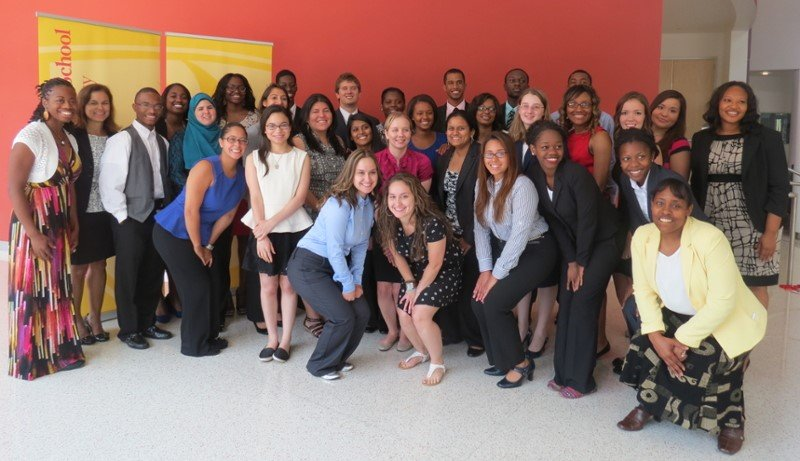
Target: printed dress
43,338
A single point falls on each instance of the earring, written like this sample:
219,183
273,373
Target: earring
46,115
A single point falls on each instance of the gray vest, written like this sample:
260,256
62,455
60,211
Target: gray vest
139,185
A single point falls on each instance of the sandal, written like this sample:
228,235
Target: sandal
314,326
570,393
407,363
431,370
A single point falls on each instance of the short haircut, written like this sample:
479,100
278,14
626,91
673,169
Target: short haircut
517,69
347,77
580,71
285,73
635,135
453,70
678,187
146,89
392,89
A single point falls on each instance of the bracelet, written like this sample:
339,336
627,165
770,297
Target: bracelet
209,247
410,286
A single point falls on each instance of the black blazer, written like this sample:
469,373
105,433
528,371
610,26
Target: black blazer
83,185
578,214
524,163
441,118
465,189
629,202
501,112
765,178
340,126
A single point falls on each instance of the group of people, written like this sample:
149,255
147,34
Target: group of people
439,225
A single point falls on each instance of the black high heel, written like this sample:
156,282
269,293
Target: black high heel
526,371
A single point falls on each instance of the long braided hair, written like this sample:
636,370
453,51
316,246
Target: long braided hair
42,91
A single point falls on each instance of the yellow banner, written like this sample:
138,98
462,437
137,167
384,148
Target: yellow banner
84,52
199,62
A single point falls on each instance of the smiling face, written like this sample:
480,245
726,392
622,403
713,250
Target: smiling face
454,86
398,134
276,97
632,114
579,110
288,83
458,132
531,109
366,176
98,108
635,159
665,115
348,93
177,100
205,113
400,200
486,113
235,91
361,134
495,158
393,102
548,150
320,117
233,143
423,116
733,106
277,128
148,108
669,212
61,102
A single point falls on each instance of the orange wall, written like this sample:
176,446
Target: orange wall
407,44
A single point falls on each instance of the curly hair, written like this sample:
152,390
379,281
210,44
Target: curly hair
424,210
343,189
572,93
750,119
220,103
42,92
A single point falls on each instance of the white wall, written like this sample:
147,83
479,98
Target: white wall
775,35
699,46
774,91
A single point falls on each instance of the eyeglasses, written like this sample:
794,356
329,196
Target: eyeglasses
235,140
148,106
582,105
487,109
233,88
272,127
491,155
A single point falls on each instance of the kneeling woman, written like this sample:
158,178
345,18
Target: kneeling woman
515,255
185,234
698,325
428,258
328,265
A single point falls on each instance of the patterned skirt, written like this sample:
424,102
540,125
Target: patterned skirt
709,396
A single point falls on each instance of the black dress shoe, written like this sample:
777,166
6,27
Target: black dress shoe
218,343
525,372
154,332
135,341
494,371
212,351
474,351
370,329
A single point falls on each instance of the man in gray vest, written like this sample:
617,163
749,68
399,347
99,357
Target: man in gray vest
133,186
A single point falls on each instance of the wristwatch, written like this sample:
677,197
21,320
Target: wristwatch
410,285
210,247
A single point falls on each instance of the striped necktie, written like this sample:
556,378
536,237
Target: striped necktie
510,117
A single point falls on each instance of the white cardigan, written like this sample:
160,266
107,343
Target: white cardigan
39,139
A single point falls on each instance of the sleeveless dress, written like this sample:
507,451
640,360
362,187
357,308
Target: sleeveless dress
43,338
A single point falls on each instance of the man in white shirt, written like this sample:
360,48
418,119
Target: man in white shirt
134,185
515,82
348,92
455,82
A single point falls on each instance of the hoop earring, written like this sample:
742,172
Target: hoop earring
46,115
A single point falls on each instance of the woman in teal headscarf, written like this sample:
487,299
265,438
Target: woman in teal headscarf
199,140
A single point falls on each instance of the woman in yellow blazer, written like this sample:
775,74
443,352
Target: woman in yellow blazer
699,323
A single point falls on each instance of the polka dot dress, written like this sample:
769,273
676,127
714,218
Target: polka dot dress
446,286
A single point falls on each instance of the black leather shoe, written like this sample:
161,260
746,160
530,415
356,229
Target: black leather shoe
525,372
135,341
154,332
218,343
474,351
494,371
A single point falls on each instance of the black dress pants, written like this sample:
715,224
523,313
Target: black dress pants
311,276
198,287
495,315
138,274
578,314
458,321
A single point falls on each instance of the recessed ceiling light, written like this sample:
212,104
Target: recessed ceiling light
765,73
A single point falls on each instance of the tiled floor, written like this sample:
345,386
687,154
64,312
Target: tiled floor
158,404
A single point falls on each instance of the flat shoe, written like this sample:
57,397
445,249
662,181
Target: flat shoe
570,393
475,351
281,355
635,420
494,371
730,440
432,368
407,363
404,348
383,347
266,354
332,376
553,385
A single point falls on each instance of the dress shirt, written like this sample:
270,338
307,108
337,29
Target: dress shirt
114,169
521,223
669,280
346,115
342,230
450,108
507,111
293,110
641,195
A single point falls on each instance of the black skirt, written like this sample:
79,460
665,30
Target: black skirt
284,244
384,270
95,240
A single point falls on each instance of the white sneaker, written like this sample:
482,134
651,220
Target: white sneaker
347,366
334,375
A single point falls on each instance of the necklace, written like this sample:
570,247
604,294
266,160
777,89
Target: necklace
60,140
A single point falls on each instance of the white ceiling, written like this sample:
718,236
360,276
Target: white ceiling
698,16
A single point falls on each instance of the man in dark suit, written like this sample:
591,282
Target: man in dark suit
348,91
288,81
455,82
516,81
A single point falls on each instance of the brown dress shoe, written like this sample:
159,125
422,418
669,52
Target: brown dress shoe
730,440
635,420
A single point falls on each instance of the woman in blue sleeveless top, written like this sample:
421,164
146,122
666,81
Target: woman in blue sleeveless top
185,233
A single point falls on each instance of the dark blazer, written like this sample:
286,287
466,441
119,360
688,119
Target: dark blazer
465,189
634,213
765,178
83,185
524,164
578,214
441,117
340,126
501,112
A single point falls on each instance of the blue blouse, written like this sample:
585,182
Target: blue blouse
342,230
431,151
